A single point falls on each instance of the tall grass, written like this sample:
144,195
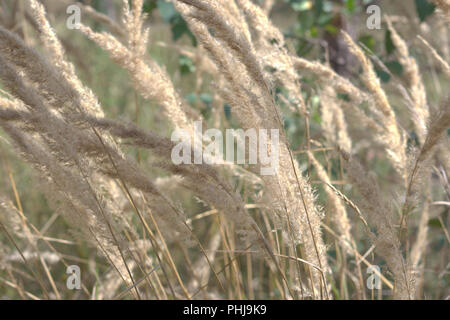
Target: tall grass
353,191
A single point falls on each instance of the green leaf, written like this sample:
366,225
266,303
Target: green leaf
318,8
325,18
368,41
287,123
306,20
227,111
383,75
394,67
316,117
149,6
331,29
206,98
191,98
179,27
170,15
304,48
186,65
344,96
167,11
389,45
424,9
350,5
434,223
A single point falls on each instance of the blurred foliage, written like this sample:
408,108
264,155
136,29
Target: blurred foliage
171,16
424,9
315,19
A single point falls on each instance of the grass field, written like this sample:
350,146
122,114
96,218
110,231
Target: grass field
93,206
